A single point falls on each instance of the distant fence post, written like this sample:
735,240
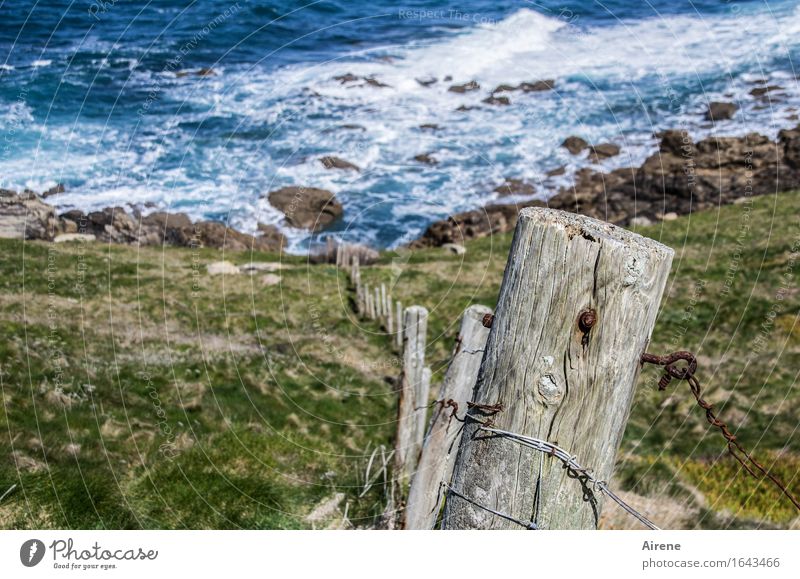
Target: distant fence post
399,330
577,306
412,385
441,441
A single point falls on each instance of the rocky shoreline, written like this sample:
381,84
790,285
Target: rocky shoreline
681,177
26,215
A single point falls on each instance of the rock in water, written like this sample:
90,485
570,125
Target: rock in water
719,111
466,87
55,190
574,144
761,91
681,177
494,100
337,163
426,158
538,86
515,187
307,207
603,151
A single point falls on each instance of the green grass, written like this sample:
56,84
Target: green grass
138,392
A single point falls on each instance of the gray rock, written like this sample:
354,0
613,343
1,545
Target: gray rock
337,163
306,207
603,151
26,217
574,144
515,187
454,248
222,268
719,111
464,88
426,158
68,237
495,100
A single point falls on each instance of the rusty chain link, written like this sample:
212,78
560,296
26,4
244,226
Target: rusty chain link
686,372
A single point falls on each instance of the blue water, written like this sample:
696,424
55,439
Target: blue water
89,97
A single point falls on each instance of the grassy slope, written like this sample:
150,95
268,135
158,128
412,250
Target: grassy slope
274,397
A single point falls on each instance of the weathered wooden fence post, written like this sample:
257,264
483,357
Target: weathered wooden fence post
412,384
441,442
399,317
557,378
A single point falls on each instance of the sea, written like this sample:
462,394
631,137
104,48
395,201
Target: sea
205,106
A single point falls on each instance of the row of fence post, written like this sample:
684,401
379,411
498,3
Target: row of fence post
576,308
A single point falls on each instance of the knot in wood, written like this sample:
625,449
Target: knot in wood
586,320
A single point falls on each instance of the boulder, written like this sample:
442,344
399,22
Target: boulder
307,207
603,151
761,91
271,236
218,235
454,248
68,237
369,81
426,158
681,177
464,88
535,86
538,86
494,100
347,77
222,268
113,224
255,267
720,111
270,279
473,224
55,190
26,216
331,162
515,187
558,171
428,81
574,144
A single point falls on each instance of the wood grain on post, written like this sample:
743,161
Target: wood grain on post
368,302
421,397
556,380
444,433
399,317
412,379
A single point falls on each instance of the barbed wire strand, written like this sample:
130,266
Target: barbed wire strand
571,463
531,526
687,372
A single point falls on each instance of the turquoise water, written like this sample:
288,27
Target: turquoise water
89,97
